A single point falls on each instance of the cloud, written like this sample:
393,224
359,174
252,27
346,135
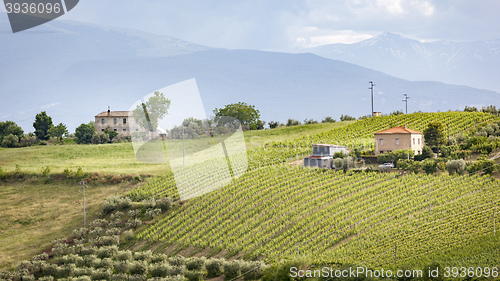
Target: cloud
47,106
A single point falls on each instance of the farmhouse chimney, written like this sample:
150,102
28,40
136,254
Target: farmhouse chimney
109,111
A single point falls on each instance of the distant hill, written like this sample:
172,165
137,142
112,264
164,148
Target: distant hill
75,70
464,63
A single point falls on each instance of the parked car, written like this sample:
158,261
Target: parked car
386,166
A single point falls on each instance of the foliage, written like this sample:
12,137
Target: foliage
116,203
58,131
455,166
281,271
148,114
292,122
426,154
483,165
214,267
111,134
248,116
273,124
10,128
429,166
10,141
310,121
434,134
232,269
346,118
84,133
164,203
100,138
328,119
42,124
397,112
394,156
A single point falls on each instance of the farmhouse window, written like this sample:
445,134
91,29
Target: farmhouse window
115,130
124,120
102,130
413,141
419,141
124,130
397,141
381,141
115,121
102,121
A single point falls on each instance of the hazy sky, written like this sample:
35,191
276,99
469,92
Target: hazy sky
289,24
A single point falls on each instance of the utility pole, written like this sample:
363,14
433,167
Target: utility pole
371,88
429,198
83,190
405,100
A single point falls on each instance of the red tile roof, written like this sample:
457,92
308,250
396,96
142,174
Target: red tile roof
318,157
397,130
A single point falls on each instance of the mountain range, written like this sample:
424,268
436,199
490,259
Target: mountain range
475,64
76,70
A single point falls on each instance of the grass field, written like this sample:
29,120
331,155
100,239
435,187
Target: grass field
33,214
119,158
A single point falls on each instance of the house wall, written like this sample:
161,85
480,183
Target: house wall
405,141
123,129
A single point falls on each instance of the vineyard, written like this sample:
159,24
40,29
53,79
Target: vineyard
356,135
277,211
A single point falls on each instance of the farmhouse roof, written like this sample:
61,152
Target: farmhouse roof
329,145
397,130
318,157
113,114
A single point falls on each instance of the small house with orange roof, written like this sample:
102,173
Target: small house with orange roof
398,138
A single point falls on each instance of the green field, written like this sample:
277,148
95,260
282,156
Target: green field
275,210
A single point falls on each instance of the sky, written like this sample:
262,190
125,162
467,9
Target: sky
287,25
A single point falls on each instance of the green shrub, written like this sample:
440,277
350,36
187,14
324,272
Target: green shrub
395,156
122,266
80,232
429,166
128,235
177,261
152,213
10,141
139,267
66,270
160,269
71,258
253,270
82,278
124,255
177,270
195,264
194,275
119,277
137,277
164,204
159,258
281,271
98,223
100,138
91,250
143,256
110,240
112,231
49,269
426,154
46,278
28,277
148,203
483,166
215,267
102,274
232,269
455,166
107,251
88,260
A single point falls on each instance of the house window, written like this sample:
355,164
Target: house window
124,130
381,151
115,121
419,141
102,121
124,120
115,130
419,152
413,141
381,141
102,130
397,141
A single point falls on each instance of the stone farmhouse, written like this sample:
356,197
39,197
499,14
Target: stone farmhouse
398,138
118,121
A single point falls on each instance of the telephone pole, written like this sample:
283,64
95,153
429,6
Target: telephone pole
82,183
371,88
405,100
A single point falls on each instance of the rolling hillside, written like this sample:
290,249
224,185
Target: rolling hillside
275,211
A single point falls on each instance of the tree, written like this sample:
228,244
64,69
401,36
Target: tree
429,166
148,114
8,128
346,118
292,122
328,119
434,134
482,165
426,154
100,138
10,141
470,109
111,134
455,166
273,124
310,121
246,114
58,131
84,133
42,124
